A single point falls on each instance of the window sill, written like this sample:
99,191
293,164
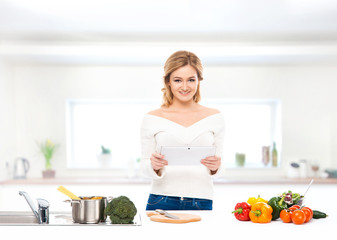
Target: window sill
132,181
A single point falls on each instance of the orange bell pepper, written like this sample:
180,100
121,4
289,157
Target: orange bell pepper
261,213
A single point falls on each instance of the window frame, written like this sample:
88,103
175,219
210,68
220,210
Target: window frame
274,104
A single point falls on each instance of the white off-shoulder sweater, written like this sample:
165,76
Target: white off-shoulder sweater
181,181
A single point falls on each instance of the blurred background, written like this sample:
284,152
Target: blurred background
82,74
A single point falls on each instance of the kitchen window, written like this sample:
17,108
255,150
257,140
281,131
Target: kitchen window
250,125
105,133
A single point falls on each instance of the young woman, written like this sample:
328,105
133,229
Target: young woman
181,121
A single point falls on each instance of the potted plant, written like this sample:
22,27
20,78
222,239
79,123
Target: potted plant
104,158
48,148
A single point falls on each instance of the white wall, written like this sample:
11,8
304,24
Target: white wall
308,100
7,119
41,93
306,92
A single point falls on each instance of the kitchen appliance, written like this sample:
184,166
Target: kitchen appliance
303,168
293,170
331,173
89,209
21,168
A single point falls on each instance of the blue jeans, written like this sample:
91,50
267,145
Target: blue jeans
177,203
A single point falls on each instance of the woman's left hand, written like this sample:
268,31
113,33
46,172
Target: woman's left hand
212,163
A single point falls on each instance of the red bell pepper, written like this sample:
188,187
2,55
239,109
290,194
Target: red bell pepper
242,211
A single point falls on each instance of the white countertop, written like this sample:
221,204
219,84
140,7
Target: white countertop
218,224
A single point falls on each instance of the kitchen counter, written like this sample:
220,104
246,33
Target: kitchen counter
217,223
108,181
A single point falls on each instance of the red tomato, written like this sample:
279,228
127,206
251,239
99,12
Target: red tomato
308,213
294,207
298,217
285,216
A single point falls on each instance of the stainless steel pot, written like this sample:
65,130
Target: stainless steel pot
89,209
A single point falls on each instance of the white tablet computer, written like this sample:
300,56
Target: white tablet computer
186,155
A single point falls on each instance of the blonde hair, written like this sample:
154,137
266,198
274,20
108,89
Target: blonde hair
177,60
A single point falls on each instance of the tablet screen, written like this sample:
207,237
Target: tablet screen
186,155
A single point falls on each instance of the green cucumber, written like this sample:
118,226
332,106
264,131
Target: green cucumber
318,214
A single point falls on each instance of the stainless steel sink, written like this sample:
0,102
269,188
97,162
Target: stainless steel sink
18,218
28,218
40,216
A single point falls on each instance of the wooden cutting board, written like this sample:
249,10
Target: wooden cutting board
183,217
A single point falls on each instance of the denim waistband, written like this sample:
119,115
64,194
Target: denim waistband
182,198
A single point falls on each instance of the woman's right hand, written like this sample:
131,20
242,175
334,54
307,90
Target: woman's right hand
157,161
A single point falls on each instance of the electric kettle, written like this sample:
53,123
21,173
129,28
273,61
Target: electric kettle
21,167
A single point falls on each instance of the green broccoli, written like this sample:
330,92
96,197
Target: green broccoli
121,210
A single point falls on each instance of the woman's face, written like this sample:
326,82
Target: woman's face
184,83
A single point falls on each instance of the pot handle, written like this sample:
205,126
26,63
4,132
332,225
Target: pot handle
109,198
71,202
78,202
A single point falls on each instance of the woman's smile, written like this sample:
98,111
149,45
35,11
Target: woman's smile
184,83
184,93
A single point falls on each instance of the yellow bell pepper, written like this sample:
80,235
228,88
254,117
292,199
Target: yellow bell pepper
261,213
253,200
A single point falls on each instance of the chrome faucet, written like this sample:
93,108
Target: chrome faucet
42,211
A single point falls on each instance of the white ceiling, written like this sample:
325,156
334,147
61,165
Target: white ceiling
143,31
106,20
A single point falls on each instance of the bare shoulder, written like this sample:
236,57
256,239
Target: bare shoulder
157,112
213,111
209,111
